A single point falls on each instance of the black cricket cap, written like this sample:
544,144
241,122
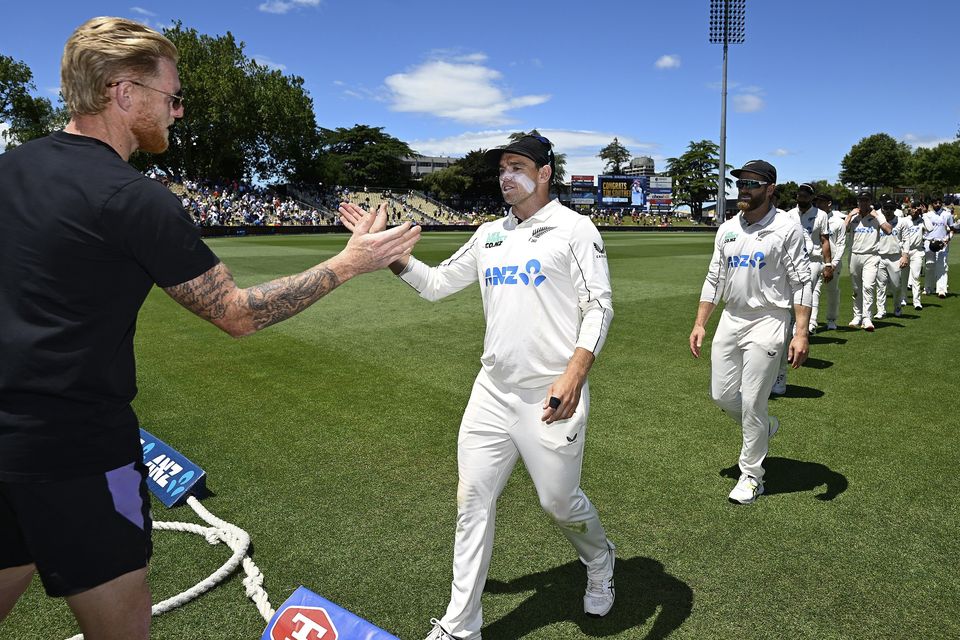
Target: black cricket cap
825,197
864,195
537,148
806,186
760,167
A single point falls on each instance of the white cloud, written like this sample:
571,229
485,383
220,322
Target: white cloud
142,11
264,61
926,141
781,152
462,91
281,7
668,61
748,103
581,147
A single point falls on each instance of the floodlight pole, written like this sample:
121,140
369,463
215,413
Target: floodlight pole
726,27
721,213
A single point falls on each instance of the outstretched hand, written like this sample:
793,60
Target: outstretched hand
372,246
356,219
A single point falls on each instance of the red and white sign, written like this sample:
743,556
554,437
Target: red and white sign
304,623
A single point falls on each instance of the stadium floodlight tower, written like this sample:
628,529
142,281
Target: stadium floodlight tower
726,27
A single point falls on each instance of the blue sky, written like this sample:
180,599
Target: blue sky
812,78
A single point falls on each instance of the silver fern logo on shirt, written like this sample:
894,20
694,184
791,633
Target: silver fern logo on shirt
539,232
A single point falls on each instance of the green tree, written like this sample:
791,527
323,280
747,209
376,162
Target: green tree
447,183
28,116
876,161
483,178
615,155
695,175
368,156
935,171
241,120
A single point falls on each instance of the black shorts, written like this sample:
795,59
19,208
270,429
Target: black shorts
80,532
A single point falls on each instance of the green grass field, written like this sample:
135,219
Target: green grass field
331,439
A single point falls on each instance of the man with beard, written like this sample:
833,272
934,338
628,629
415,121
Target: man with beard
838,242
546,295
85,238
865,223
760,270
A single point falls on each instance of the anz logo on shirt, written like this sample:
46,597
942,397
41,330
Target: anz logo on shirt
511,274
754,261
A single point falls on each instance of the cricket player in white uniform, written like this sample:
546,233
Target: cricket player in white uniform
817,245
760,270
913,241
865,224
546,296
816,227
893,257
937,225
838,243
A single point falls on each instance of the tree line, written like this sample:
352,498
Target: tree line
246,121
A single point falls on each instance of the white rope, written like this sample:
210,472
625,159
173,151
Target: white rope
239,542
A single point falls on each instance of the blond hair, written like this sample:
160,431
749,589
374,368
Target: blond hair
104,50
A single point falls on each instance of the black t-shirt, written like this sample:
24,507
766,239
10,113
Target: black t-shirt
83,238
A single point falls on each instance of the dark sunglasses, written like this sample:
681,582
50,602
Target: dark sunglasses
750,184
176,99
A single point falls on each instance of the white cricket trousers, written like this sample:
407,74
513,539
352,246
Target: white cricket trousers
499,425
816,271
935,279
913,280
832,290
863,274
888,271
744,357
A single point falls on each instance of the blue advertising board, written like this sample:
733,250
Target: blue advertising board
171,476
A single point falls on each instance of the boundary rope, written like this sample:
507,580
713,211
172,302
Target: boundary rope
239,542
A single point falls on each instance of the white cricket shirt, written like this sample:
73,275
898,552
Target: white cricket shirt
815,224
912,233
545,286
937,223
866,232
757,267
838,237
893,242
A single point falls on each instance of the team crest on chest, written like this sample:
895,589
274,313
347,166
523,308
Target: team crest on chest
540,231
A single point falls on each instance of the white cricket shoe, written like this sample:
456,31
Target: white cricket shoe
780,385
600,594
856,322
812,329
438,632
773,426
747,490
831,325
879,315
868,326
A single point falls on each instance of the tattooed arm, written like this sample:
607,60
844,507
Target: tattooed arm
215,297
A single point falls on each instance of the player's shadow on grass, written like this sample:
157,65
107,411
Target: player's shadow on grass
784,475
819,339
797,391
817,363
644,592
